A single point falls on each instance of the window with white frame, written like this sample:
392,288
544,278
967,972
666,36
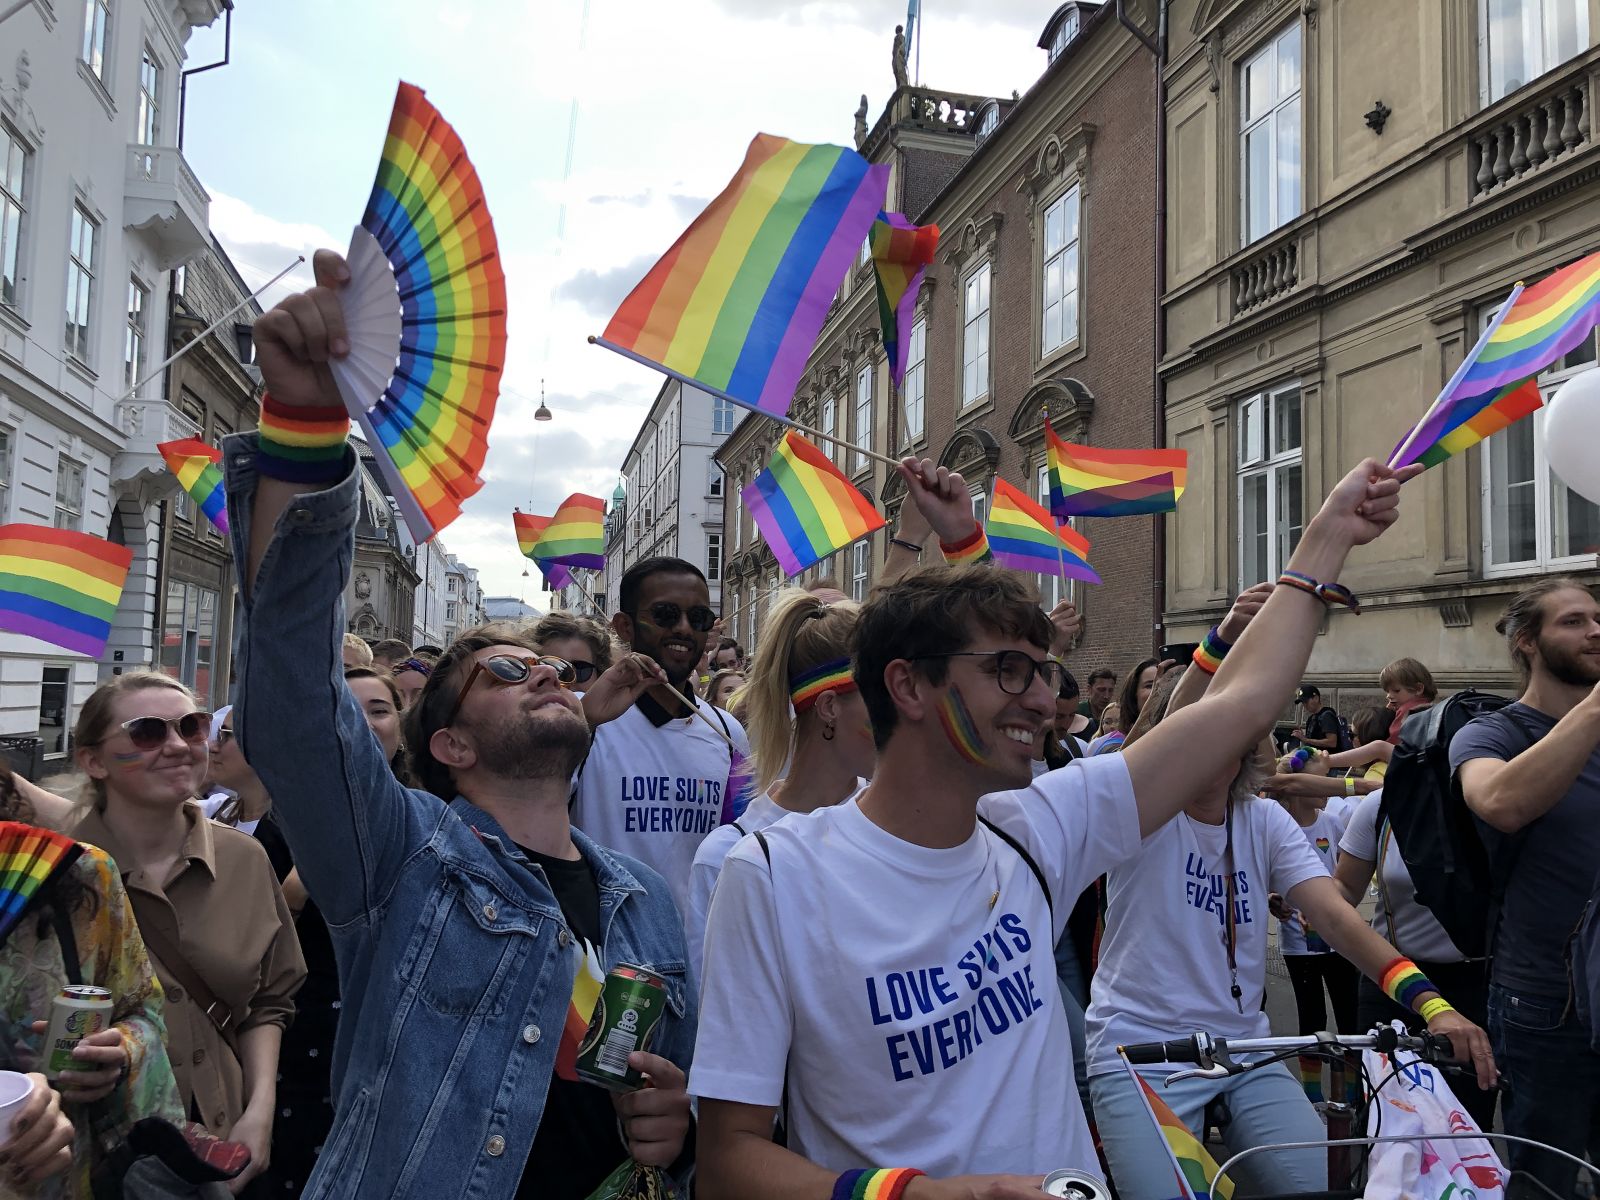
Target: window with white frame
1060,283
1065,32
738,514
860,565
980,506
188,636
15,163
863,416
713,557
975,337
1269,135
149,114
1052,588
1521,40
6,438
1271,482
69,494
1531,520
914,388
135,334
723,416
713,478
96,26
84,234
830,426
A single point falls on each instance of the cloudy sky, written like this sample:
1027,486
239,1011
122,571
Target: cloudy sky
660,98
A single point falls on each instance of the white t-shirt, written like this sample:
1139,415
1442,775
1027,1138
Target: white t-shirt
655,793
1163,970
908,993
758,814
1323,834
1417,933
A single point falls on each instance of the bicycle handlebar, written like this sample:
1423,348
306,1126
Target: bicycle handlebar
1185,1051
1216,1054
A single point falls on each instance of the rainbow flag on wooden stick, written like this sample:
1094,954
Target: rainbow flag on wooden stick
199,471
805,507
736,305
1088,481
61,586
1196,1169
1495,384
1024,537
901,253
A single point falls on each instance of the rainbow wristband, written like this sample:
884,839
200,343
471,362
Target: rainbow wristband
873,1185
1208,655
974,548
1432,1008
300,444
1403,983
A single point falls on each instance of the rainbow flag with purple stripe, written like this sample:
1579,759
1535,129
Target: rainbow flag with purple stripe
805,507
199,471
901,255
1024,537
735,306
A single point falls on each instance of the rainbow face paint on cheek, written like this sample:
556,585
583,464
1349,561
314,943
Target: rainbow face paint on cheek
960,729
128,762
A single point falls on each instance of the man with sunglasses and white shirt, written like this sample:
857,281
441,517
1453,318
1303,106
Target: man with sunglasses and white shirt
471,923
653,784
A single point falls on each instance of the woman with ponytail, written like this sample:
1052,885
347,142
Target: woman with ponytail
810,738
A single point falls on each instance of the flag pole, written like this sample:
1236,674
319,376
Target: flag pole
1061,557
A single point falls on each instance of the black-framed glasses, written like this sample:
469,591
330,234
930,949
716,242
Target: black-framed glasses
1013,670
150,733
664,614
506,670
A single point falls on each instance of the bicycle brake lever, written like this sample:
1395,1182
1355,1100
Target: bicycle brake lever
1216,1072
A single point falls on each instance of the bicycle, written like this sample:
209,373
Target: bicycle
1214,1058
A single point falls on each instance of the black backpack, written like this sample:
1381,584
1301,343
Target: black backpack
1445,847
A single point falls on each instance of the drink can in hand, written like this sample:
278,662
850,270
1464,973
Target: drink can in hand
75,1013
625,1019
1076,1185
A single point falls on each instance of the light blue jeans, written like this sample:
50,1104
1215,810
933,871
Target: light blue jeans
1267,1105
1075,999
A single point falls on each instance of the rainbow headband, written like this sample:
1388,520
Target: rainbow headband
833,676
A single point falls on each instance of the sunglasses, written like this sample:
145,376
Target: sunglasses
582,672
507,670
664,614
224,736
150,733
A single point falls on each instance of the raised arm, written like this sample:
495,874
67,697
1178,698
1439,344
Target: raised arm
1511,793
1191,749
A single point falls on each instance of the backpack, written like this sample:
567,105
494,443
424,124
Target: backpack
1446,848
1347,740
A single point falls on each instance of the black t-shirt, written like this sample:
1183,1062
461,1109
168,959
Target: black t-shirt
1323,723
577,1144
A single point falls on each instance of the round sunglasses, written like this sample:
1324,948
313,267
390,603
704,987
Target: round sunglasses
150,733
506,670
664,614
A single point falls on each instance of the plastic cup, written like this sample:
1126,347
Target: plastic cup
15,1088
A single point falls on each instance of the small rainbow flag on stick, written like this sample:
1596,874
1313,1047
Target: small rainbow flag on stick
1495,384
736,305
805,507
61,586
576,535
901,253
197,467
1024,537
1196,1169
1086,481
529,528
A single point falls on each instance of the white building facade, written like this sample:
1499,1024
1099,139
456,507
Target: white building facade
97,209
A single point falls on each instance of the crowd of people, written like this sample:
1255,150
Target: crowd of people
356,922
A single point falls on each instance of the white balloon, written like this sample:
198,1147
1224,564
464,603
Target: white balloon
1572,434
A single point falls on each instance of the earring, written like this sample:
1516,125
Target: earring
827,732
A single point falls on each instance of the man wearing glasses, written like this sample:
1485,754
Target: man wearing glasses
653,784
884,968
471,923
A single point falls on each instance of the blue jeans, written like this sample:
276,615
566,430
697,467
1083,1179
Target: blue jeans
1075,999
1552,1081
1267,1105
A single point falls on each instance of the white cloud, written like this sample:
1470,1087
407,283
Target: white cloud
261,246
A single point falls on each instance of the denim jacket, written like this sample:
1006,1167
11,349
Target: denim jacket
455,964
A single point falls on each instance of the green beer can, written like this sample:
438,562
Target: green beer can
625,1020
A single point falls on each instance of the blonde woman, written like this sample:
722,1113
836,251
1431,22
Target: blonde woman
802,713
208,905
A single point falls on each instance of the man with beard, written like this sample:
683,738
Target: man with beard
471,923
1531,772
654,780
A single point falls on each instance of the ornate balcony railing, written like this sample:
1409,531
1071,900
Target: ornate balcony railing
1531,138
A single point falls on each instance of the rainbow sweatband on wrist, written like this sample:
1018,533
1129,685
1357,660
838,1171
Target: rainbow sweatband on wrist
1432,1008
832,676
873,1185
300,444
973,548
1403,983
1208,655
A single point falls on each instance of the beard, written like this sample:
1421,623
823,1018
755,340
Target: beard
1569,666
548,743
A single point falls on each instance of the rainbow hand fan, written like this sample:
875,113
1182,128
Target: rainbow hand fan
30,859
425,309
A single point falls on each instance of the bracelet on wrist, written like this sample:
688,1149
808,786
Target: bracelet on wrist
879,1184
299,444
1208,655
1432,1008
905,544
1349,786
1329,593
970,549
1405,984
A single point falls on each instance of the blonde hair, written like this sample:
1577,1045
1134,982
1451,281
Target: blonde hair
800,633
356,642
94,719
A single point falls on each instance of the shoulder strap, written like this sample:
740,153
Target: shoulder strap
61,922
1025,856
745,833
218,1013
766,850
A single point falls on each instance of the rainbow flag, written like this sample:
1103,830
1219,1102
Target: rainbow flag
576,535
736,305
1196,1169
586,987
1494,385
901,253
199,472
805,507
60,586
1086,481
529,528
1024,537
740,788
